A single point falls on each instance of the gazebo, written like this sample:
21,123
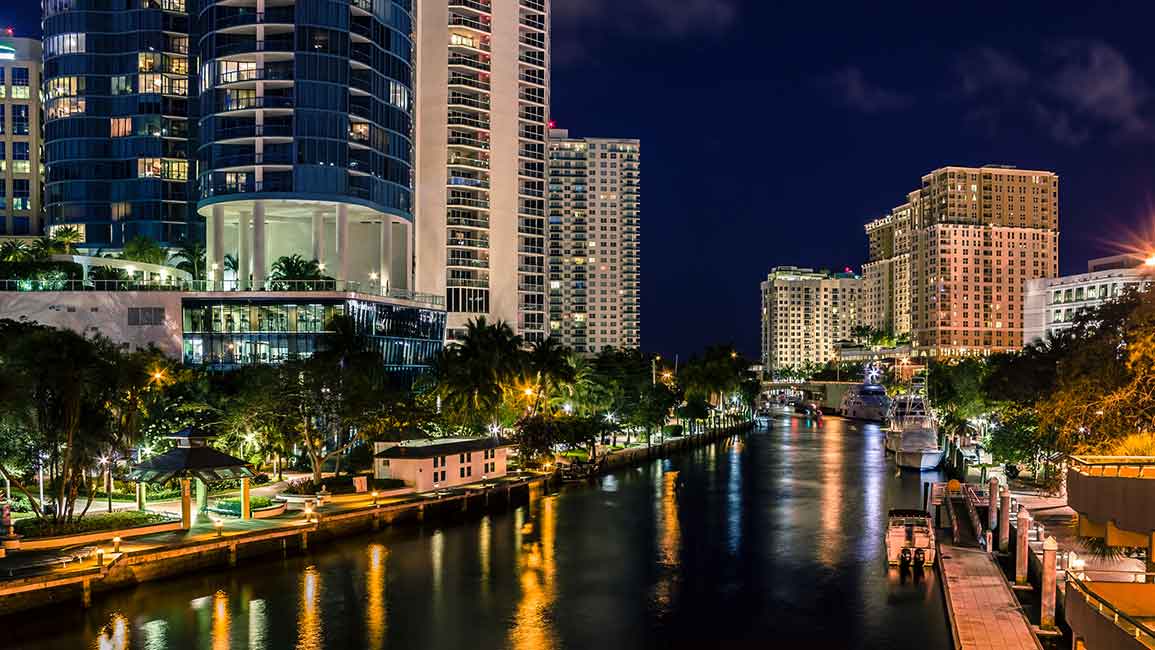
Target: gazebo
193,458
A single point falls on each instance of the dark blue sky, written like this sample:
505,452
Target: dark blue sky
772,131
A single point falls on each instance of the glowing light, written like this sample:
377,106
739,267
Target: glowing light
1150,261
309,630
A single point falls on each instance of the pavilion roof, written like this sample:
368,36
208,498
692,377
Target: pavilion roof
205,463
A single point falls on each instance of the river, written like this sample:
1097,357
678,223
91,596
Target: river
772,539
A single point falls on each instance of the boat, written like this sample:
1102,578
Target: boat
909,538
917,445
907,412
865,402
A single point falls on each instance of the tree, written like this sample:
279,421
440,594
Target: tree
190,258
144,250
478,373
43,247
66,238
290,270
15,250
550,370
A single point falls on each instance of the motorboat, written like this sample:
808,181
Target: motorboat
908,412
917,443
865,402
909,538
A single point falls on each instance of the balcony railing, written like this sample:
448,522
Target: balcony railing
462,21
1081,591
1113,489
1114,466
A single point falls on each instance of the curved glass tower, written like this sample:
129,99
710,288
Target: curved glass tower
305,116
116,128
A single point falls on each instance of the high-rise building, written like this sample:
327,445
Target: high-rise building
20,172
116,120
594,233
1051,305
804,314
483,80
306,114
949,267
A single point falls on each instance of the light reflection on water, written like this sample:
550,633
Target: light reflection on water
775,535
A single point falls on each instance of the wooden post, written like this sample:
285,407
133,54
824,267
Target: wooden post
1047,614
185,504
233,554
86,595
1022,546
246,507
1005,520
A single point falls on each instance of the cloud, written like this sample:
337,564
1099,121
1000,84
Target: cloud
1077,91
850,87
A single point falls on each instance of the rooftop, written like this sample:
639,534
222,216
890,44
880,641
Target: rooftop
441,447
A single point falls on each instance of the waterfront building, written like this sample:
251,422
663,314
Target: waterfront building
804,314
594,242
483,83
1052,304
116,120
441,463
949,266
21,175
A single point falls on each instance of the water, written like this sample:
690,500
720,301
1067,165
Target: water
767,540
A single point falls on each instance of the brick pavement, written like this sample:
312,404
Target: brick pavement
985,614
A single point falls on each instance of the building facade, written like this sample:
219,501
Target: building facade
804,314
21,173
441,463
116,120
949,267
1051,305
594,242
483,80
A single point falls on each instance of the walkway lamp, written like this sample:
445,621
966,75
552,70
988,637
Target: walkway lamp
219,525
375,498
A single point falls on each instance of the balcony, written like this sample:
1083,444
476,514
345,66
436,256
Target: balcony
476,5
463,141
469,62
469,82
1114,496
1111,615
466,202
468,23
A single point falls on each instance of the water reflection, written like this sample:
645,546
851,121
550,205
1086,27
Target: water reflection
220,621
734,498
114,636
375,596
668,540
310,633
829,544
155,633
536,567
258,625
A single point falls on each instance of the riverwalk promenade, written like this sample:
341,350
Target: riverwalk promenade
984,613
32,579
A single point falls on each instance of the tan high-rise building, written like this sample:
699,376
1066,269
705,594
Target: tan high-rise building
482,116
594,241
21,174
804,313
949,267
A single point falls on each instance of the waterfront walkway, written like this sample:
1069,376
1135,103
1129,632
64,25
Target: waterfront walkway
984,613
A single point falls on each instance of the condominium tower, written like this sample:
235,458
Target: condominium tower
804,313
594,233
20,174
483,84
949,266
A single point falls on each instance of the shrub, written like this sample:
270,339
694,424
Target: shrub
90,523
19,503
672,430
233,506
341,485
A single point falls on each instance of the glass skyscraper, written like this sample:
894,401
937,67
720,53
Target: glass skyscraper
116,122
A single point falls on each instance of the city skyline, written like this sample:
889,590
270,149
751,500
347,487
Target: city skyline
830,107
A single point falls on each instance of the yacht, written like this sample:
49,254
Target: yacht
907,412
912,434
909,538
865,402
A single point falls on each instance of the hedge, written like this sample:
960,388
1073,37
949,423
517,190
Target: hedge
340,485
90,523
233,506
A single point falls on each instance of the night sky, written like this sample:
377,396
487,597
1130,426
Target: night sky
771,134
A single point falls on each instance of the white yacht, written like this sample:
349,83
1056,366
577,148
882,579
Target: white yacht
912,434
907,412
909,538
865,402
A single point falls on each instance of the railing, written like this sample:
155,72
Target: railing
1132,626
469,62
253,131
1114,466
462,21
472,4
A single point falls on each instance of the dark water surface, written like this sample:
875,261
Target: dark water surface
774,539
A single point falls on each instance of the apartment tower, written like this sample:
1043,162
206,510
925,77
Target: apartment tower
804,313
594,242
949,266
20,111
483,83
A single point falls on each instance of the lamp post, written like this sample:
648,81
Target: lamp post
104,461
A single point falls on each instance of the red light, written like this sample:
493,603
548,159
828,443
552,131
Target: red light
9,31
848,270
552,124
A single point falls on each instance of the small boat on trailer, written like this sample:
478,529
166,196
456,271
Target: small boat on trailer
909,538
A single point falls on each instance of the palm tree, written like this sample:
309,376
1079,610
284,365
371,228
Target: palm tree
476,374
144,250
549,368
43,247
190,258
15,250
67,237
231,263
291,269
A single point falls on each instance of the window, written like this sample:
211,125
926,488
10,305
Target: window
3,88
71,43
462,470
1,111
21,194
20,119
20,161
120,127
3,164
143,316
148,168
148,62
20,89
122,85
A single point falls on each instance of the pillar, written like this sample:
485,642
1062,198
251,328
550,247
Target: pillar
319,236
259,243
1151,552
215,245
1005,520
342,244
992,505
246,507
1022,546
407,255
185,504
141,497
385,254
202,498
243,241
1047,613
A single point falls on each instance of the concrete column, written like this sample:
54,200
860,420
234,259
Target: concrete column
243,240
259,243
992,505
202,498
215,245
1005,520
141,497
185,504
246,507
1047,614
408,257
342,243
385,254
1022,546
319,236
